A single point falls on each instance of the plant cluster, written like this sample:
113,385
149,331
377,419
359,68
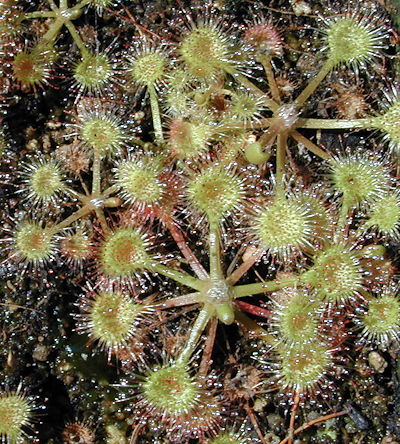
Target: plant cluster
197,221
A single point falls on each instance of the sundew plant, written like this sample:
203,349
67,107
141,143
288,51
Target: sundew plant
200,221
